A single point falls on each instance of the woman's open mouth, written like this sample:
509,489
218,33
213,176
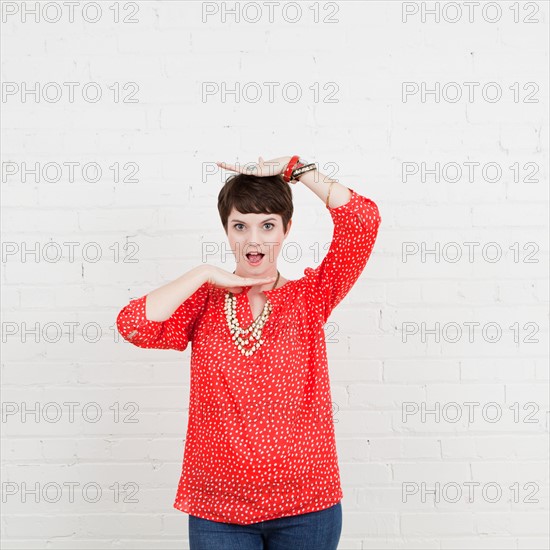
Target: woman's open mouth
254,259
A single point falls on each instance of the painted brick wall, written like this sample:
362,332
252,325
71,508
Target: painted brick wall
113,114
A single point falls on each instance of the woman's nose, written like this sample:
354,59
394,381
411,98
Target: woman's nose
254,240
252,245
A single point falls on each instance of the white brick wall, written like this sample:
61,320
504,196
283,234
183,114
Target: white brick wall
368,133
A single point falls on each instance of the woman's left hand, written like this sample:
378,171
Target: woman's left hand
262,168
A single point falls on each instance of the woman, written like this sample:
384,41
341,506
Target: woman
260,467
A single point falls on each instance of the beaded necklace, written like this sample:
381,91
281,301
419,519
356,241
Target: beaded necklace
254,329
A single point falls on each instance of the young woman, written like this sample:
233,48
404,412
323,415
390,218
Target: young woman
260,466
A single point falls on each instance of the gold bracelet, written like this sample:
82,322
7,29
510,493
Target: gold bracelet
329,188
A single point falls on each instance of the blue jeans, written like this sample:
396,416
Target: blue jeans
318,530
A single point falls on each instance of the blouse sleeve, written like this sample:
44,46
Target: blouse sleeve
355,229
173,333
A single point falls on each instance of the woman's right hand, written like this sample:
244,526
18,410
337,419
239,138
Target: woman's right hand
232,282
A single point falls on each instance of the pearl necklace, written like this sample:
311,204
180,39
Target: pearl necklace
255,328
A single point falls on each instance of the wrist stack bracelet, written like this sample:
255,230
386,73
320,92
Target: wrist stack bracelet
302,170
329,188
296,167
289,167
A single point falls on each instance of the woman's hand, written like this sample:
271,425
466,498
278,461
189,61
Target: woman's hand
229,281
262,168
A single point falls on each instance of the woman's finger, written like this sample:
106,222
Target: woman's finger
261,281
250,169
227,166
250,282
245,281
253,282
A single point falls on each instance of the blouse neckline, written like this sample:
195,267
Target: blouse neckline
276,296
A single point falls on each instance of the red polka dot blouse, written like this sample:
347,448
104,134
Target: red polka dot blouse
260,438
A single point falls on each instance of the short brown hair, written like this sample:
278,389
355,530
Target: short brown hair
252,194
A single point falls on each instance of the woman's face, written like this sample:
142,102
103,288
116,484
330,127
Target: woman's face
249,233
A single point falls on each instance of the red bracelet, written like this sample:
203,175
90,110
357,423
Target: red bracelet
290,166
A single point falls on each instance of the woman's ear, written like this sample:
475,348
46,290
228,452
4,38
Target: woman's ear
288,225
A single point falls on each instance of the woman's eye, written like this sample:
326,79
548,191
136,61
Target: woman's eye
237,225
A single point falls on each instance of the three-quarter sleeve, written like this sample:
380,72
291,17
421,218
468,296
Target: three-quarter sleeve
355,229
173,333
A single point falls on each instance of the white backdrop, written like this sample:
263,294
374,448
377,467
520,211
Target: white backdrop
113,115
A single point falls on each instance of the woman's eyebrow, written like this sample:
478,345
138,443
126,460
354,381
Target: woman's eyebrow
266,220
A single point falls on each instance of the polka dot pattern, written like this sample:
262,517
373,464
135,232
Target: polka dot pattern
260,439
